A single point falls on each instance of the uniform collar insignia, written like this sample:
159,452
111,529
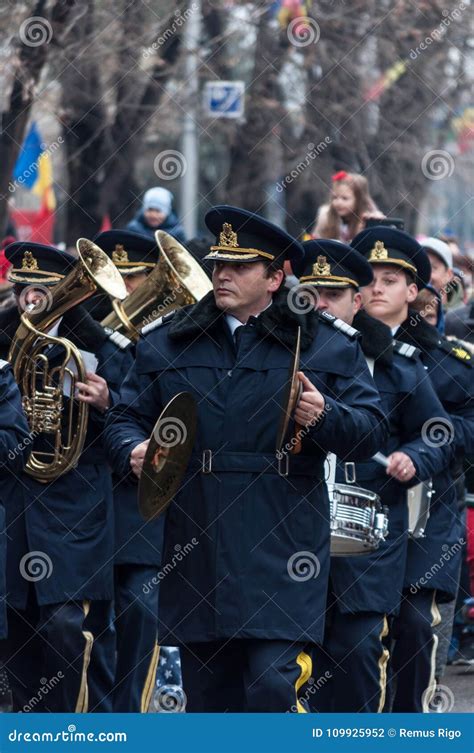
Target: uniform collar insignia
461,353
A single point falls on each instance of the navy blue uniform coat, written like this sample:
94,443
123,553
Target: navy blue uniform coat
374,582
258,534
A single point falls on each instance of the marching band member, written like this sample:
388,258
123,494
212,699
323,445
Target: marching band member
137,543
60,533
365,590
236,603
396,259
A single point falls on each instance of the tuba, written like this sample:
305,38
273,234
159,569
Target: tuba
176,280
57,424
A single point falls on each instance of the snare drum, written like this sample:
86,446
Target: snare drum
419,500
357,519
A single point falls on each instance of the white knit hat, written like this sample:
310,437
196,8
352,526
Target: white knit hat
439,248
158,198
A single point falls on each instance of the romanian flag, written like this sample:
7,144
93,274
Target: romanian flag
33,169
386,80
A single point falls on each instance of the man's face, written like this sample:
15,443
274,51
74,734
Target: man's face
344,303
388,295
132,282
154,217
440,274
243,289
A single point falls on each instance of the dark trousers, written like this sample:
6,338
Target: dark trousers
48,657
350,667
136,618
413,655
245,675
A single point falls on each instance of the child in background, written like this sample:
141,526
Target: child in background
350,205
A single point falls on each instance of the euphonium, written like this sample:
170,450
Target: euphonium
175,280
58,423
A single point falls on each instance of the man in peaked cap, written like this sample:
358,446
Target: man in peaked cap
237,604
365,591
401,267
61,623
133,254
137,543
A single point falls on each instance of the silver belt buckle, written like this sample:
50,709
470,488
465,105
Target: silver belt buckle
283,464
207,461
350,473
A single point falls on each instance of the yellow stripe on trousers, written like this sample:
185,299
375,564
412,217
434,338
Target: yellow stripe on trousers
306,666
430,690
82,704
150,680
383,666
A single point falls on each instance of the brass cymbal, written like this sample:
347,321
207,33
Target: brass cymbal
291,394
167,455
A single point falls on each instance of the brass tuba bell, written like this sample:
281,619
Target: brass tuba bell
176,280
57,424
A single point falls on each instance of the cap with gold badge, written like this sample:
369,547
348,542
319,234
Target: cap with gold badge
131,252
386,245
37,264
242,236
332,264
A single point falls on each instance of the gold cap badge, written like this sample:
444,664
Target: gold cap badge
29,262
119,255
322,268
379,252
228,237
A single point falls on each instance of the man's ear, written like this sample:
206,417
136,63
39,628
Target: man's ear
356,303
276,278
412,292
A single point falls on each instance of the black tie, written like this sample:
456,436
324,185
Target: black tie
238,335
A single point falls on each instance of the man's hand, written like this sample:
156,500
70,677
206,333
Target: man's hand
310,405
137,457
94,391
401,467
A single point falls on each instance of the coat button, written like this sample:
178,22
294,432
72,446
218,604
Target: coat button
229,373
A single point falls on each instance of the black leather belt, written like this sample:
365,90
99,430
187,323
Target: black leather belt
250,462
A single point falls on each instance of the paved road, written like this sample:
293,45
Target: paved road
460,681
